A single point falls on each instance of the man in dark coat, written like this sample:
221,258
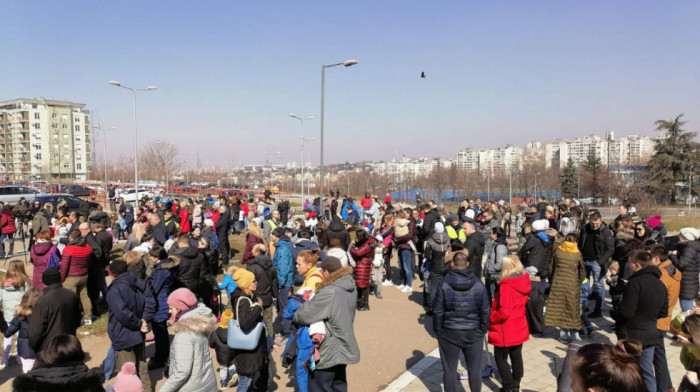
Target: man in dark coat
283,208
644,302
536,251
158,229
597,245
336,229
126,327
222,226
475,245
101,243
56,313
432,216
461,320
191,268
686,260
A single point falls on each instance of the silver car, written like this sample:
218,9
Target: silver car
12,193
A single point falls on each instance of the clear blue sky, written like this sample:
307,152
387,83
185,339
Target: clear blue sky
229,72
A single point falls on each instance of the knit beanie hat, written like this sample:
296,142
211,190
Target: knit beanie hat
690,233
182,299
331,264
539,225
469,214
127,380
654,221
439,227
243,278
51,276
117,267
225,317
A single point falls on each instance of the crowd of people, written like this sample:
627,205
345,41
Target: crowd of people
293,291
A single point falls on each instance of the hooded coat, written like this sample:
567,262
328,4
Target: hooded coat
7,222
336,229
76,259
250,241
568,273
191,368
363,256
248,313
57,312
191,268
10,297
284,262
266,276
160,283
507,322
645,302
40,258
536,253
475,245
71,376
461,303
671,278
335,303
687,262
435,250
126,298
495,259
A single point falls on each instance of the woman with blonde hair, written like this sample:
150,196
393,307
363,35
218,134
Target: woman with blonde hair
135,237
15,283
508,328
254,237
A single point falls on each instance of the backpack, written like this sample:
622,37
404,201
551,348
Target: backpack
54,261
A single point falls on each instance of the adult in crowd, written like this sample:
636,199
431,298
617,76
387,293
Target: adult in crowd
567,274
191,367
126,300
607,368
597,245
335,304
386,231
460,322
644,302
284,265
252,238
158,229
56,313
435,251
536,250
335,229
494,260
266,278
222,227
40,254
60,366
363,253
41,221
191,265
508,324
75,264
404,234
474,245
134,239
270,224
687,250
8,228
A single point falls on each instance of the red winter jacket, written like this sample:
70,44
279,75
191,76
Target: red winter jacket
7,222
507,322
75,260
363,258
185,220
366,203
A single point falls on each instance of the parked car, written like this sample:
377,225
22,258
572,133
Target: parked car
12,193
129,195
76,190
73,202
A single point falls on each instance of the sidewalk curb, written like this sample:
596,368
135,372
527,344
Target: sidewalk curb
414,372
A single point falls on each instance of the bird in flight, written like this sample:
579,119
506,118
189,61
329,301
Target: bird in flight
422,75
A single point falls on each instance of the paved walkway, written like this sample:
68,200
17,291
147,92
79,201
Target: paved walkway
543,358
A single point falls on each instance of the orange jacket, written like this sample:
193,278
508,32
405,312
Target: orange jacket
673,287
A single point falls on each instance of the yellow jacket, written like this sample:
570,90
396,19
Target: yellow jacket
312,278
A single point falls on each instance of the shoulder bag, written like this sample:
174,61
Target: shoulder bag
239,339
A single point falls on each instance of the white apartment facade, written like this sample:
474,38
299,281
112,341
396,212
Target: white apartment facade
611,151
44,139
501,159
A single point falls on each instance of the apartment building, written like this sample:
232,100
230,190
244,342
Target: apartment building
501,159
611,151
44,139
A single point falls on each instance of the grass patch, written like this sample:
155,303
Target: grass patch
97,326
675,223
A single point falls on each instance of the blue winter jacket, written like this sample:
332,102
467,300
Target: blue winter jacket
284,262
306,245
126,299
160,285
21,327
304,345
344,212
461,303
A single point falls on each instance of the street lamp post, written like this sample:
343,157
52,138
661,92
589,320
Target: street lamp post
136,140
308,159
104,144
346,63
301,136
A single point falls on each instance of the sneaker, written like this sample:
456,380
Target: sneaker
233,381
378,294
595,314
87,322
282,342
150,338
406,289
401,287
387,283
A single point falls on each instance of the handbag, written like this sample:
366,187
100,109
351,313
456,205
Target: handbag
239,339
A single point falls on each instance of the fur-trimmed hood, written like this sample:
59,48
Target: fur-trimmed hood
199,320
624,235
171,262
72,376
336,277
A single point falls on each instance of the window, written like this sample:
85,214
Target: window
37,155
65,126
65,136
36,125
36,146
77,128
37,116
79,166
65,146
66,166
64,117
33,106
55,146
55,136
77,119
54,116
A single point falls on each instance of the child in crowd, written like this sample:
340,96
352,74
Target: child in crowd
401,230
583,300
20,325
224,355
616,284
126,380
227,283
11,294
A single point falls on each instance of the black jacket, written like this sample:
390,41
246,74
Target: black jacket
435,250
475,245
335,230
126,298
644,302
431,218
224,354
221,226
71,376
266,276
248,362
461,303
604,244
160,233
687,261
536,253
56,313
191,268
283,208
104,241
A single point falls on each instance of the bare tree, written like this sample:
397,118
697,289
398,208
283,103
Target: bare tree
158,161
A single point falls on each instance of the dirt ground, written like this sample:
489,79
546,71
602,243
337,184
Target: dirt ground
392,336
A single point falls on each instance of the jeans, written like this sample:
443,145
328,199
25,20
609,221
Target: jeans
333,379
282,325
663,376
406,264
109,364
646,362
510,377
470,343
599,287
255,382
686,304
